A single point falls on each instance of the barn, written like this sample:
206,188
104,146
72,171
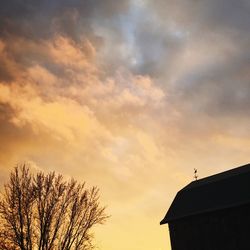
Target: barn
212,213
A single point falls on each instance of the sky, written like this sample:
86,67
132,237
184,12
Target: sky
128,95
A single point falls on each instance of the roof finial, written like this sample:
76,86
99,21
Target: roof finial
195,174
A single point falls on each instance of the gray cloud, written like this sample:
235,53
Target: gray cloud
36,19
219,32
148,38
109,90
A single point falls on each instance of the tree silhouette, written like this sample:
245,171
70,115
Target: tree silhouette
45,212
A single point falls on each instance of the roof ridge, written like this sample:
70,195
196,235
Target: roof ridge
218,176
223,190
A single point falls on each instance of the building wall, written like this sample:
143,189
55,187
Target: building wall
227,229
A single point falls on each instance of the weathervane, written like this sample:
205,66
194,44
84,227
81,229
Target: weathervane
195,174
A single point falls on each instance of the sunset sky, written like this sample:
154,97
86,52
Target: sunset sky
128,95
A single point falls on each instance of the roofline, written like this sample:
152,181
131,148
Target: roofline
163,221
215,175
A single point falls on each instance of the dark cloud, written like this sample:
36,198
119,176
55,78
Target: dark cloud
107,90
145,37
5,72
196,14
156,46
223,90
41,19
219,83
25,22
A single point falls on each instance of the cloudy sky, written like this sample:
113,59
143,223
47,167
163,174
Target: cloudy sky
130,96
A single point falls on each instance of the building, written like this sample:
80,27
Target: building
212,213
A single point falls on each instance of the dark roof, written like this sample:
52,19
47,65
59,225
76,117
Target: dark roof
224,190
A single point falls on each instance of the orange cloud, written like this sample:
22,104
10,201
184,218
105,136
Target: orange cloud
122,132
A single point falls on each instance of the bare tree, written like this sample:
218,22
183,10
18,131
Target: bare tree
44,212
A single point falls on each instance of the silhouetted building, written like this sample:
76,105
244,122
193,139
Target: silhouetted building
212,213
